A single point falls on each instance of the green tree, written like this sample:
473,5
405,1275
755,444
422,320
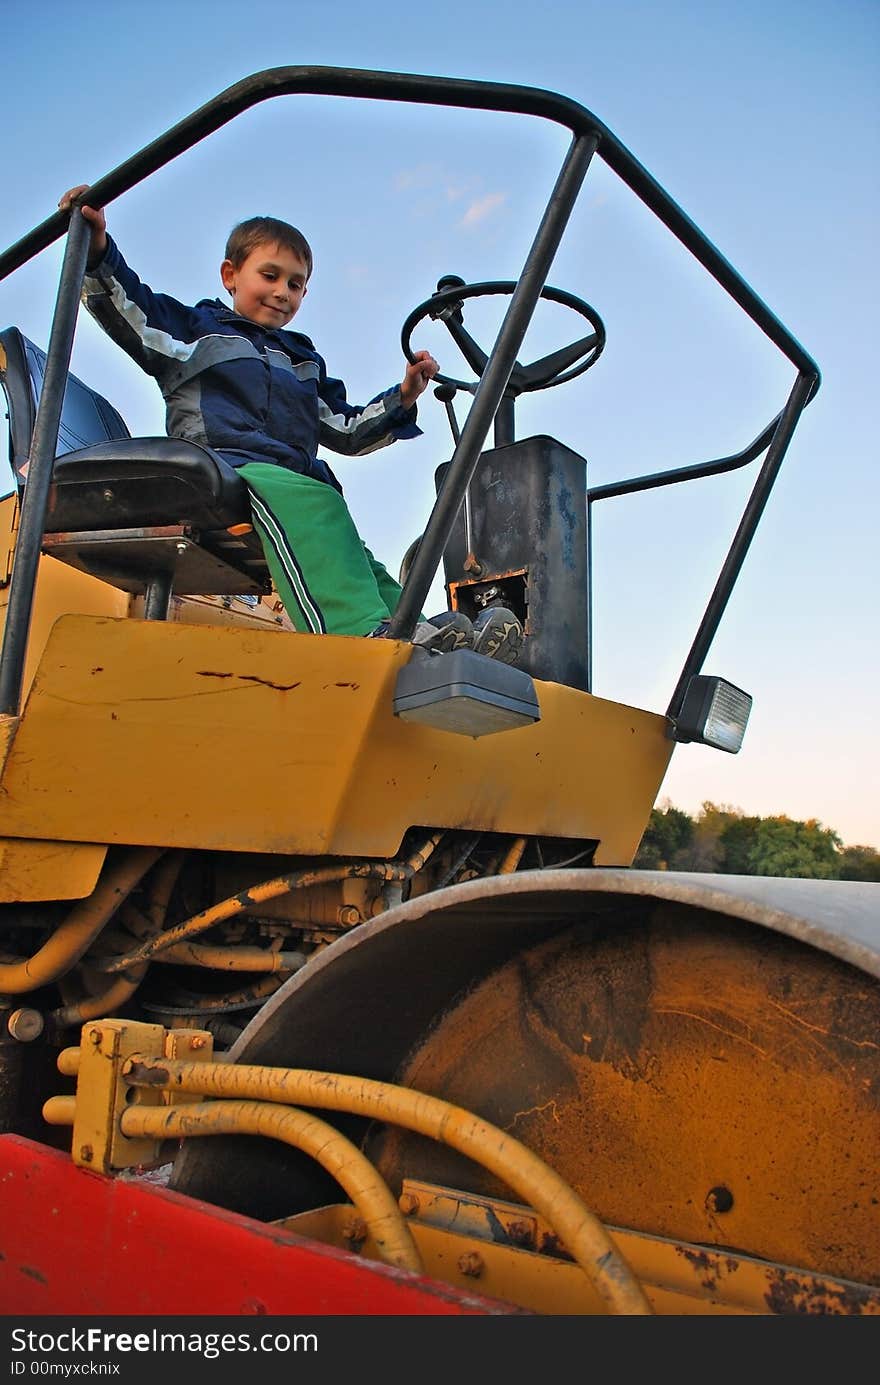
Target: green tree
738,842
804,849
859,863
706,849
668,833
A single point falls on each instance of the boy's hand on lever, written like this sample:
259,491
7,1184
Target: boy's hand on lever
95,217
417,378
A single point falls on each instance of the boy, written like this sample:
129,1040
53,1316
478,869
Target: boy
235,381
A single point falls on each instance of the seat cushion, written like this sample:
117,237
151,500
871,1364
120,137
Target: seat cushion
133,482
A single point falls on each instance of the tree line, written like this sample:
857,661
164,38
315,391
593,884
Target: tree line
724,840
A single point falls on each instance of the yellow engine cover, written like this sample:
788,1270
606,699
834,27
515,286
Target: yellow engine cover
159,733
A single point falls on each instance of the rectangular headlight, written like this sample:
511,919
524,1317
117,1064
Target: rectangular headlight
714,713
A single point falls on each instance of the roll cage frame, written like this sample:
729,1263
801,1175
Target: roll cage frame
589,137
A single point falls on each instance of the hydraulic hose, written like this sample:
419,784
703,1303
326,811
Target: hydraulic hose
79,930
538,1185
273,889
351,1169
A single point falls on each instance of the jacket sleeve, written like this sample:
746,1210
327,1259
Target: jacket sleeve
151,327
353,429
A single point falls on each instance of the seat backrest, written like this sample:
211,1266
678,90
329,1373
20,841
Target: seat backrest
86,416
144,514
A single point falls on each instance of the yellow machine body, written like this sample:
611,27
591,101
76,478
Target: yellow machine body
255,741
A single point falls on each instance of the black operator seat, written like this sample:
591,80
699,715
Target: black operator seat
148,515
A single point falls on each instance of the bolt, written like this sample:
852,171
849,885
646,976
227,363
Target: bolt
355,1230
520,1232
719,1199
348,916
181,547
108,495
86,1153
25,1024
199,1041
471,1264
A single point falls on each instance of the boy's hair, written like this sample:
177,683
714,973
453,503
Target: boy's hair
266,230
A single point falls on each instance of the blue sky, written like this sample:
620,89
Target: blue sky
760,120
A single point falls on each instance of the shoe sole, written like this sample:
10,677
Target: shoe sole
503,641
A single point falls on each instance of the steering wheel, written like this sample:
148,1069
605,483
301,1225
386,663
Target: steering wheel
446,304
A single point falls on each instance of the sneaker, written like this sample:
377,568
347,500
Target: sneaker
442,634
498,634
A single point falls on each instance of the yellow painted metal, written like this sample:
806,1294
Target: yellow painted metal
149,732
186,1044
8,728
59,589
102,1094
267,614
35,870
679,1279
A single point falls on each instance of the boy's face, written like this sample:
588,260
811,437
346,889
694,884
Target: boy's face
269,286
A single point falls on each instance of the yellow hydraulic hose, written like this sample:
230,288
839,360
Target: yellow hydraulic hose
82,925
582,1233
231,958
273,889
109,1002
121,990
351,1169
513,857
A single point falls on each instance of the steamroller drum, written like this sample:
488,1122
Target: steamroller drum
696,1055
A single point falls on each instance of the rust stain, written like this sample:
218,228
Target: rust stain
704,1266
249,678
790,1293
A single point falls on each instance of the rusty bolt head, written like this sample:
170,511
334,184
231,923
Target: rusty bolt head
86,1153
348,916
521,1233
409,1204
471,1264
355,1230
198,1041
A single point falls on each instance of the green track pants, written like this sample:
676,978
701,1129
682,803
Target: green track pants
327,578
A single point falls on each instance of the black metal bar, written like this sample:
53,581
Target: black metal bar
157,596
686,473
492,385
589,687
42,461
422,90
504,430
800,396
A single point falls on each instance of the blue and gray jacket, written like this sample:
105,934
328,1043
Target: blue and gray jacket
252,393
